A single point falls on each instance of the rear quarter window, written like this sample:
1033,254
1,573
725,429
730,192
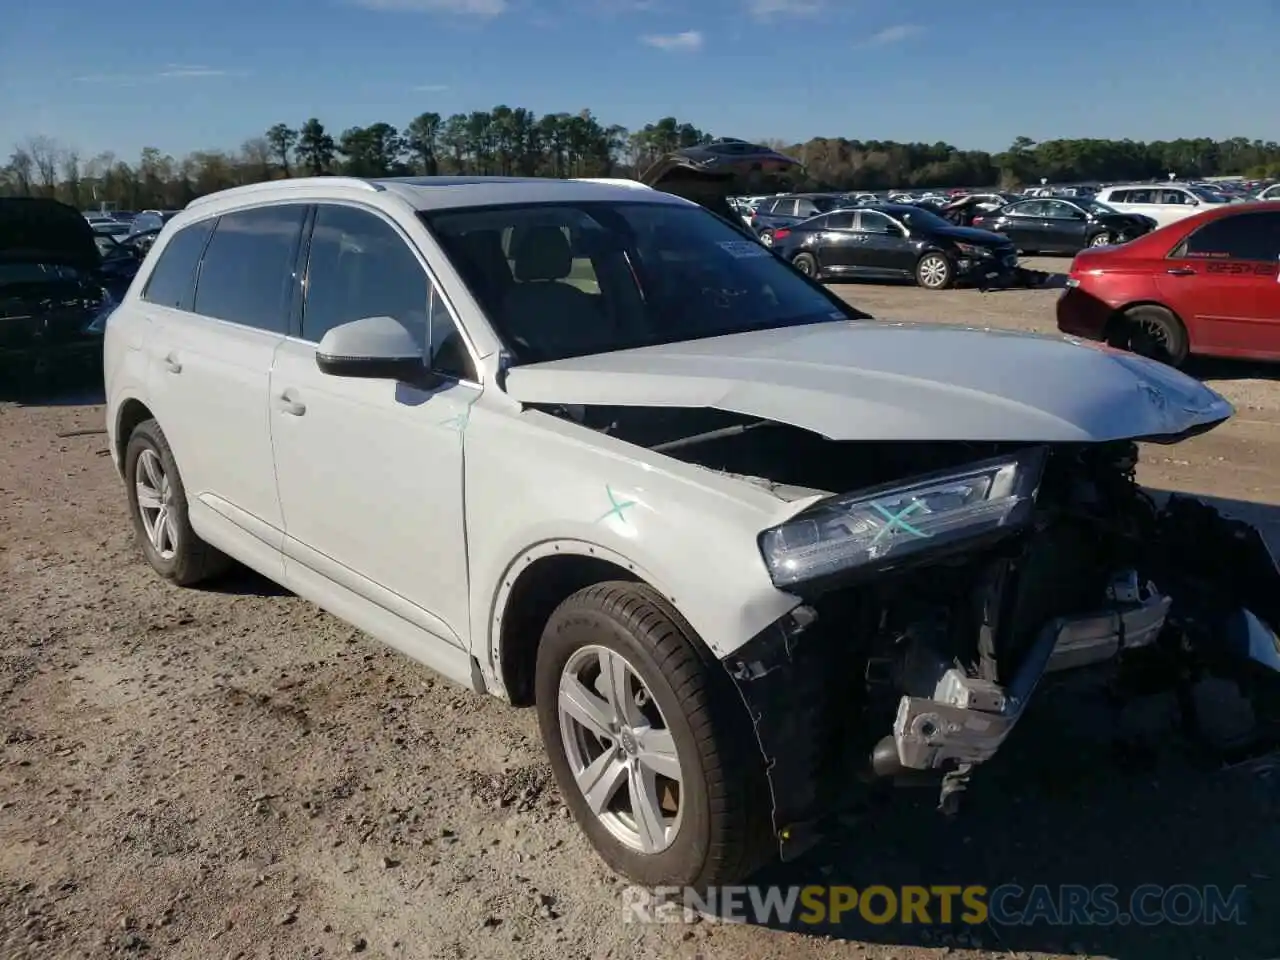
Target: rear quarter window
172,281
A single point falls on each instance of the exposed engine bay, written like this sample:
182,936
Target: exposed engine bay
917,669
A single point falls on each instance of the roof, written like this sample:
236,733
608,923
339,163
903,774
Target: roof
433,193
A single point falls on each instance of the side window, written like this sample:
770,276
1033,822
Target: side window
1029,208
1252,236
360,266
172,281
806,208
841,220
1057,210
247,275
1173,197
786,208
1142,196
871,222
1116,196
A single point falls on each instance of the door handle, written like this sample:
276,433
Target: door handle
171,364
285,403
1181,272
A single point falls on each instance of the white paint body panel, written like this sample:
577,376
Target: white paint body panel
853,380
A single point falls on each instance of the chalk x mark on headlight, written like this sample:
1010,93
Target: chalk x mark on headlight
870,528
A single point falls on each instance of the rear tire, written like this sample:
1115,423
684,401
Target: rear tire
934,271
158,507
714,827
1101,240
766,237
1155,332
806,264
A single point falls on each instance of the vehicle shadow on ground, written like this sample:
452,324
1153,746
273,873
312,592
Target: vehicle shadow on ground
73,395
1061,806
1217,368
240,581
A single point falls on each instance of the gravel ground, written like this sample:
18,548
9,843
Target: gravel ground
232,773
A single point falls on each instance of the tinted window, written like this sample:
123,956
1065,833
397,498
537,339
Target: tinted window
1057,210
871,222
1173,197
1251,236
1029,208
663,273
838,221
171,281
360,266
247,275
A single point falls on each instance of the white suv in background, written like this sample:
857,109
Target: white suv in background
1164,203
589,448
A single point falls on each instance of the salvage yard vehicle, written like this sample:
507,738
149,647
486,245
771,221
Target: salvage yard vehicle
57,282
897,242
1207,284
1054,225
590,449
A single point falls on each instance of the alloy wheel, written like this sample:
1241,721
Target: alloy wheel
620,750
1101,240
933,272
766,238
155,504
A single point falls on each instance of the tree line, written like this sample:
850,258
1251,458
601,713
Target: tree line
516,141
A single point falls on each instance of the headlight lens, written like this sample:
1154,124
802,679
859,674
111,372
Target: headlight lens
883,526
970,250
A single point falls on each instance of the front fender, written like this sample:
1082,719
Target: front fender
538,485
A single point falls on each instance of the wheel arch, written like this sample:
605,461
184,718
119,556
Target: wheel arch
531,588
131,412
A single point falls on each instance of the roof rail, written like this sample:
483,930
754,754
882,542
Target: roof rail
268,186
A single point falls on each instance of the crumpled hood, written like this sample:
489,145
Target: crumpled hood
875,380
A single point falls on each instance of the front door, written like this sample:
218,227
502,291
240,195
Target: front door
883,249
370,471
1063,225
1224,281
210,363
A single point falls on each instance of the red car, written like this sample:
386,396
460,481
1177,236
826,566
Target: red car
1206,284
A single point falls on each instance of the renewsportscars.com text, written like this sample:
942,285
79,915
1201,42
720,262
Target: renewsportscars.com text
1005,905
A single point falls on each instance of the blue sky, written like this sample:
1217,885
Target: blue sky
183,75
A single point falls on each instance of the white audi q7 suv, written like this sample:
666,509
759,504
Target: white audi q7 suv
593,449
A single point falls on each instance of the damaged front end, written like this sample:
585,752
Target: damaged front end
933,609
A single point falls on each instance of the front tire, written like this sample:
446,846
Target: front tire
766,237
934,271
158,507
652,752
1101,240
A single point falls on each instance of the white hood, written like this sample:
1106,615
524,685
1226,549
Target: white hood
873,380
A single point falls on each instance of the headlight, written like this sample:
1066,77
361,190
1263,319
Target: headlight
970,250
883,526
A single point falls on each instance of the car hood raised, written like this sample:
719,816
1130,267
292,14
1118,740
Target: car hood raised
39,230
874,380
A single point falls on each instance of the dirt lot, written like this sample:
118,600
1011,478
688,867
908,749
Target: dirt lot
232,773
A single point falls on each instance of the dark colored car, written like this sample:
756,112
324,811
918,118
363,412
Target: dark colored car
711,173
793,208
964,208
1060,225
1206,284
897,241
56,288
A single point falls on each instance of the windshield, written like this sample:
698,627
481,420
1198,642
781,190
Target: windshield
1210,196
566,280
1097,206
918,217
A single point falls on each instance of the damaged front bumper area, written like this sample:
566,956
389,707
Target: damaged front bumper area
920,672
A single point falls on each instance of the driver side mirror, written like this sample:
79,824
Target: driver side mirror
374,348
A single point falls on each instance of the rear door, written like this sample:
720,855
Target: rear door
210,363
1022,224
834,241
1224,281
